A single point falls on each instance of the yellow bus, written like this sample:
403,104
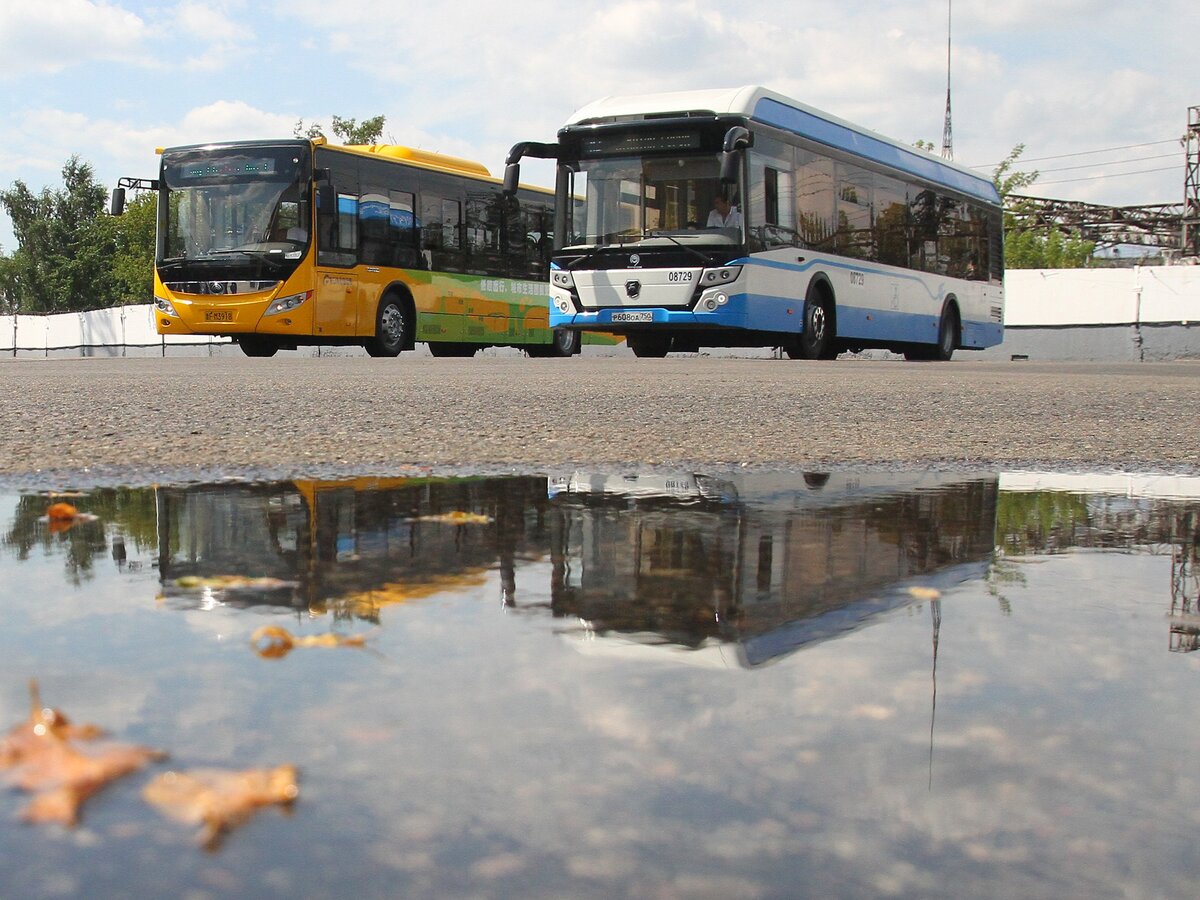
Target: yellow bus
278,244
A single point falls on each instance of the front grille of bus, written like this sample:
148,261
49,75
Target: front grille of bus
220,288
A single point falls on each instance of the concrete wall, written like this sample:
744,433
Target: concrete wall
1140,314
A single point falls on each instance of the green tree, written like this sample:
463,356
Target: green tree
64,258
132,237
348,130
1026,249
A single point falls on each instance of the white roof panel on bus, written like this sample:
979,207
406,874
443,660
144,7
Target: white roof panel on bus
771,108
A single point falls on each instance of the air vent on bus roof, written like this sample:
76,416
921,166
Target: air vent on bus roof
424,157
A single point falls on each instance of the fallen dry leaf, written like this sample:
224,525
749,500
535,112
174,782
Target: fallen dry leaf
219,799
60,775
272,642
64,516
924,593
29,737
61,511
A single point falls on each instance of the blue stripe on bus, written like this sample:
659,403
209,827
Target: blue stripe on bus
772,314
853,266
867,146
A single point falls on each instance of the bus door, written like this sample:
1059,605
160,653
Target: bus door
336,291
336,311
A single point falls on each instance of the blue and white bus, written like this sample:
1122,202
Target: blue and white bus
827,237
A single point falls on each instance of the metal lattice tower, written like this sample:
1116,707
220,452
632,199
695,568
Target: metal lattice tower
1191,185
947,132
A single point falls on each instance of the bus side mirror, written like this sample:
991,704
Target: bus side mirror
118,201
737,139
512,175
512,164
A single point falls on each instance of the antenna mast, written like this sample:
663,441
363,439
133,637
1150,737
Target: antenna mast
947,133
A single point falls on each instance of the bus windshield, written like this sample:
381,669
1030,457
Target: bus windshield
634,198
223,202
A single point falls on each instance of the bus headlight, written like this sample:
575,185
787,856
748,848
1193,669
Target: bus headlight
723,275
561,278
564,305
163,305
712,300
287,304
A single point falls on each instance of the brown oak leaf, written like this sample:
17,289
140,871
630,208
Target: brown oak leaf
219,799
42,760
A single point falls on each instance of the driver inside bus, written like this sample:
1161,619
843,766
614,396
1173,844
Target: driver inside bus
724,214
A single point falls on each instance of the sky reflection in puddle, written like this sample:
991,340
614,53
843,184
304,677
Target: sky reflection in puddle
772,685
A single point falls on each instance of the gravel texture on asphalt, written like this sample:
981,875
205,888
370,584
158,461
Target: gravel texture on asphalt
143,421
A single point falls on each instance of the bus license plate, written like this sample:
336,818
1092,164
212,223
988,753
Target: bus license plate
641,316
218,315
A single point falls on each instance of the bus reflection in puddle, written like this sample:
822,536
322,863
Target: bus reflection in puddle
766,563
751,567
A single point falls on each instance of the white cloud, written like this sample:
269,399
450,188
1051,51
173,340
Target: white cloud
41,38
471,78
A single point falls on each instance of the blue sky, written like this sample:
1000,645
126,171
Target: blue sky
111,81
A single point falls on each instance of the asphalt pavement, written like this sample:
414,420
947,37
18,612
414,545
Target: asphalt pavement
83,422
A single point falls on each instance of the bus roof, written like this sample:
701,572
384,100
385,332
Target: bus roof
763,105
412,156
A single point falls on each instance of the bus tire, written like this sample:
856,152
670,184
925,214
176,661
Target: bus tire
257,346
949,333
649,346
818,340
393,328
565,342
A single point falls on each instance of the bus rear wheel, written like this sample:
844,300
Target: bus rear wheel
947,342
258,346
452,349
649,346
393,328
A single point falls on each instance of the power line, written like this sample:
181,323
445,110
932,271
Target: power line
1114,162
1079,153
1118,175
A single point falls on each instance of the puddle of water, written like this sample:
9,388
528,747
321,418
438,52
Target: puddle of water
774,685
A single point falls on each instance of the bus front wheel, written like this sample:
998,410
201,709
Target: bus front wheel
258,346
393,328
563,343
818,340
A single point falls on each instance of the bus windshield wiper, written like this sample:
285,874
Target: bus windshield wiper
674,240
260,255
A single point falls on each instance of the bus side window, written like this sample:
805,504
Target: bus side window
483,233
441,226
373,224
771,213
402,229
337,228
539,240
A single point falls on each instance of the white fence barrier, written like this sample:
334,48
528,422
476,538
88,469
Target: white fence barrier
1142,295
1141,313
101,332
